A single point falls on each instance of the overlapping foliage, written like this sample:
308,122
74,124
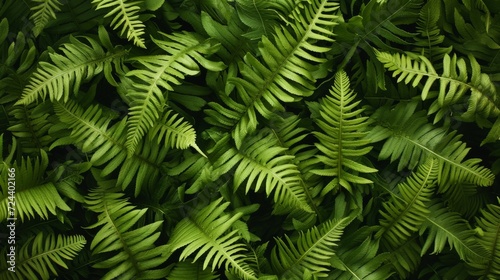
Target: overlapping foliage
218,139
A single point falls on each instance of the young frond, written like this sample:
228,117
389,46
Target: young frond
184,51
206,233
488,236
40,256
43,12
444,227
453,83
78,63
90,132
126,17
312,250
283,75
260,162
410,139
33,196
136,254
403,215
342,140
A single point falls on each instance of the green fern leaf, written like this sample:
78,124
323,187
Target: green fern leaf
289,58
341,140
90,132
34,197
206,233
412,140
488,237
260,163
184,52
45,10
79,63
37,257
125,17
446,227
188,270
403,215
312,251
137,253
453,82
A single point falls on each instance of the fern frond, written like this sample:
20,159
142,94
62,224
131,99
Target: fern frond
453,82
137,253
37,258
403,215
489,238
190,270
342,141
360,262
206,232
412,140
260,162
126,17
444,227
174,131
33,197
312,250
428,43
90,132
64,75
184,52
45,10
284,75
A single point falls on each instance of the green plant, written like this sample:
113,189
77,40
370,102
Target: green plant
245,139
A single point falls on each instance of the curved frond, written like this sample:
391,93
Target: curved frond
161,72
260,162
342,140
412,140
64,75
206,232
283,75
312,250
360,262
33,195
444,227
489,238
40,256
90,132
126,17
134,249
453,83
45,10
190,270
403,215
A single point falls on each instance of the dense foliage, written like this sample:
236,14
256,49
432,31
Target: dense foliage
250,139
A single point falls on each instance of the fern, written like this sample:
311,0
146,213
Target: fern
283,76
184,53
188,270
89,130
412,140
45,10
34,197
488,231
341,141
38,256
402,216
312,250
125,17
260,163
137,254
79,63
206,233
453,83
